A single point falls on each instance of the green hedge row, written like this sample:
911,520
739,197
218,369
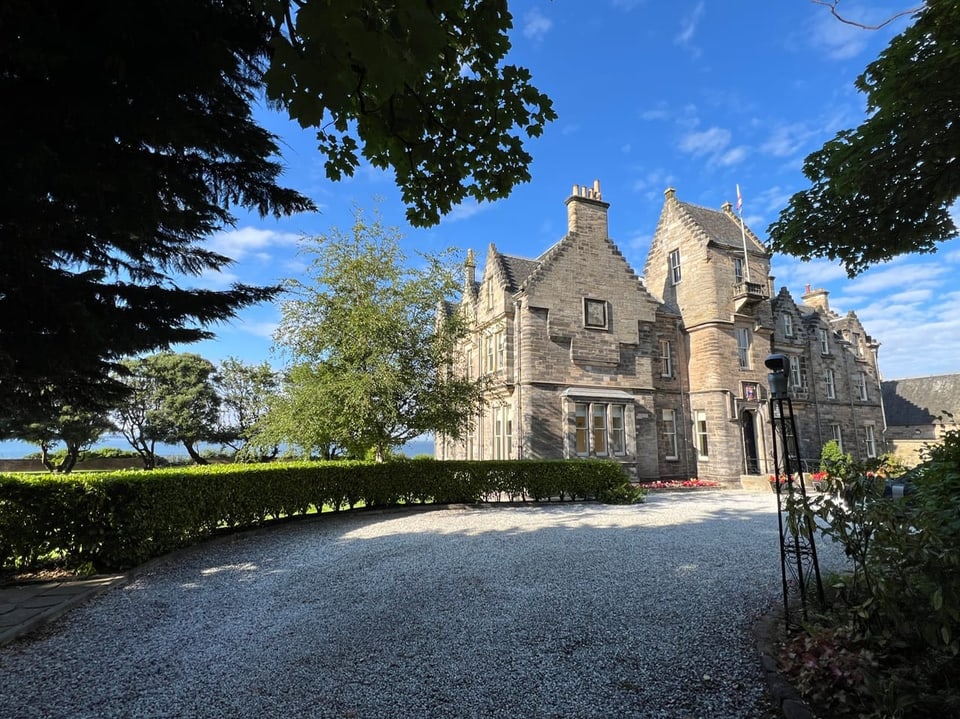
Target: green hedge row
120,519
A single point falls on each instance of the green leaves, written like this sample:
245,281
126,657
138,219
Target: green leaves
421,84
368,347
885,188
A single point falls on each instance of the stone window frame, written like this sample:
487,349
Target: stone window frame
861,384
591,307
798,373
668,417
674,263
702,434
787,325
831,381
744,342
836,430
870,439
666,358
578,409
823,337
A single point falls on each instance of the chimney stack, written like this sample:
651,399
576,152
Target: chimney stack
586,211
816,299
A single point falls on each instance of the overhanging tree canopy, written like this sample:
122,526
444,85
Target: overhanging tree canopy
886,188
421,83
126,138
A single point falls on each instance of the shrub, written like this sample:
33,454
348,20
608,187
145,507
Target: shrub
901,602
119,519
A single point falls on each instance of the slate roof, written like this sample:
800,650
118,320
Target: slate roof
920,400
720,227
517,269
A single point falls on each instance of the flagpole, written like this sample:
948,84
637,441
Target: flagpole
743,236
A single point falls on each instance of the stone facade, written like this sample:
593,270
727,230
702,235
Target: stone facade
665,374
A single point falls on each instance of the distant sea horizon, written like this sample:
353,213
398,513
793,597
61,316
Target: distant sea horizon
17,449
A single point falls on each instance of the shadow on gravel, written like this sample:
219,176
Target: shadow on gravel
536,610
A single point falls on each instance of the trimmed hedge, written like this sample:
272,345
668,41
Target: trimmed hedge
119,519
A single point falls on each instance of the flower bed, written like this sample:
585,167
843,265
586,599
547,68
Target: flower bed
693,483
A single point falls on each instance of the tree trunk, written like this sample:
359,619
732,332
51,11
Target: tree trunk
70,461
194,455
45,457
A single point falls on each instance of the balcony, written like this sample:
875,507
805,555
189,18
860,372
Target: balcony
748,294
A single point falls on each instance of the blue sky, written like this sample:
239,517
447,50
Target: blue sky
695,95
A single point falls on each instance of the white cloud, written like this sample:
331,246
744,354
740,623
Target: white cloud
258,329
688,27
838,40
237,244
465,210
216,279
785,140
536,25
661,111
710,141
910,296
733,156
656,180
795,274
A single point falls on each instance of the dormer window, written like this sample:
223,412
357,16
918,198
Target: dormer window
490,294
595,314
787,326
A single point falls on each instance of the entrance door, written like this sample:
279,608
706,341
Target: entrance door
750,455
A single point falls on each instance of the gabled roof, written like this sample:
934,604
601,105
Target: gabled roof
921,400
516,270
721,227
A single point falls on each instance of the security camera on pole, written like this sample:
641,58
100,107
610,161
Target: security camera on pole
798,552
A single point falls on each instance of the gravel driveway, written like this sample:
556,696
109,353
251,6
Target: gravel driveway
562,610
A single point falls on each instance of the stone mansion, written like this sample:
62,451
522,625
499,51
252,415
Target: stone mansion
664,373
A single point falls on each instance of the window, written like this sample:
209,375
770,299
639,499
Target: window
666,358
618,431
738,269
743,347
490,294
701,428
502,432
468,360
857,347
788,325
837,435
675,267
871,441
798,373
831,383
670,433
824,337
582,446
491,354
501,359
594,313
861,380
600,428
